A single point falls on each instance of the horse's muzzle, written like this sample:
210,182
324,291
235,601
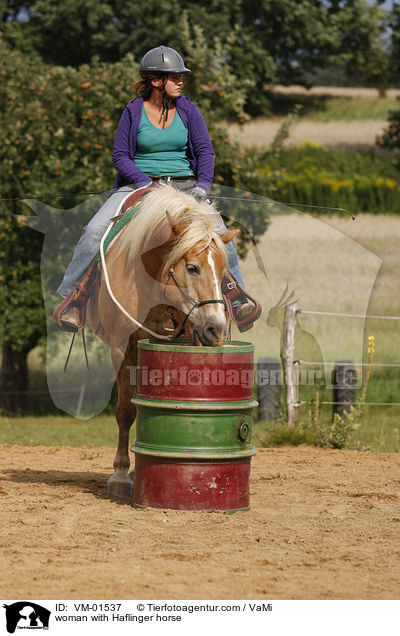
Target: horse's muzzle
209,332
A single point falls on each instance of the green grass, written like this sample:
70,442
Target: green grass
59,431
328,108
377,427
379,431
331,272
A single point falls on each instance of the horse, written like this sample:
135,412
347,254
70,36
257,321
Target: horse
161,276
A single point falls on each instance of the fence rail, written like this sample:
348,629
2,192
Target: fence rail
289,363
332,313
346,364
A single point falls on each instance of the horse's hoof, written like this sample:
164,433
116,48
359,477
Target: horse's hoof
120,488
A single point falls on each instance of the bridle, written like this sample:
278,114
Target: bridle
195,303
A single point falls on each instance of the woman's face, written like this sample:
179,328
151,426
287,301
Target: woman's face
173,85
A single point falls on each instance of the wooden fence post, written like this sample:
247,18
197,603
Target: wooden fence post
287,355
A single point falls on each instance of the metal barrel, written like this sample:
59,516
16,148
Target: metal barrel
193,426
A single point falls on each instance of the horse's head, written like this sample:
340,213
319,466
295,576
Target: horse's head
194,276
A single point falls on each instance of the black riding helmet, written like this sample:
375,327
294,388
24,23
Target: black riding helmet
162,60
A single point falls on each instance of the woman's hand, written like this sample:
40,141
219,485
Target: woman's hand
198,192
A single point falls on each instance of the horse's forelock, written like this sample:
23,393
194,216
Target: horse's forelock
198,235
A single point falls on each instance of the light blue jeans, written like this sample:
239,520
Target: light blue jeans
93,232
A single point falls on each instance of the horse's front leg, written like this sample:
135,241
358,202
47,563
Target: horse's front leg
121,482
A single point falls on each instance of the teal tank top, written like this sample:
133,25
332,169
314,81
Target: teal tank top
162,151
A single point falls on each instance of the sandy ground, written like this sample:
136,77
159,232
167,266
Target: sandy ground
323,525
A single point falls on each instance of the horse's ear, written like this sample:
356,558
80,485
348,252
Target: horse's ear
229,235
173,224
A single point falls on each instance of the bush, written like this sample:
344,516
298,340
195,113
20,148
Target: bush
316,175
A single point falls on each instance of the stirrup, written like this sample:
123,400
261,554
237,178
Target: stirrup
79,297
232,291
74,299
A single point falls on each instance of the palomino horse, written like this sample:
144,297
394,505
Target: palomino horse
164,273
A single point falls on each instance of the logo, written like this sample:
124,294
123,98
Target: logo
26,615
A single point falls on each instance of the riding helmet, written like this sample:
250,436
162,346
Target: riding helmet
162,59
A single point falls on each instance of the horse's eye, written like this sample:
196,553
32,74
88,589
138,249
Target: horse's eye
192,269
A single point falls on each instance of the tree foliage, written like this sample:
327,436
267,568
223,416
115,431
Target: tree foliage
391,137
275,41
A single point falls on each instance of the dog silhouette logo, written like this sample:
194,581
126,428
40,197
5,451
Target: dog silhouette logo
26,615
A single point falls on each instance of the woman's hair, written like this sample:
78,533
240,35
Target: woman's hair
143,86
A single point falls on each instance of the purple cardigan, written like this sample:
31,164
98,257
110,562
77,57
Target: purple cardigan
199,152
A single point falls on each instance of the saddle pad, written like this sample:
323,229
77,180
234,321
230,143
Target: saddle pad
118,227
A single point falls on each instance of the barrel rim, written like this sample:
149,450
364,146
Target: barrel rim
176,346
189,454
191,405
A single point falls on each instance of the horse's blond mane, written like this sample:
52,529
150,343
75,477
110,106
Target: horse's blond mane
147,228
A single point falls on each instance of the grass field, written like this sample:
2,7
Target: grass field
334,103
334,91
59,430
329,271
335,117
335,134
336,265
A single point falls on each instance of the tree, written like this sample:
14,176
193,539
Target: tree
391,137
394,26
364,51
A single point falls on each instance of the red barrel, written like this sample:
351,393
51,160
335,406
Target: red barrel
193,426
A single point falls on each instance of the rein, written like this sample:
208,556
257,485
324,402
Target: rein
195,303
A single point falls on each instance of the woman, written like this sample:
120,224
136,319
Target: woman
161,137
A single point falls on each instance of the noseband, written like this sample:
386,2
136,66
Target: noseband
195,304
